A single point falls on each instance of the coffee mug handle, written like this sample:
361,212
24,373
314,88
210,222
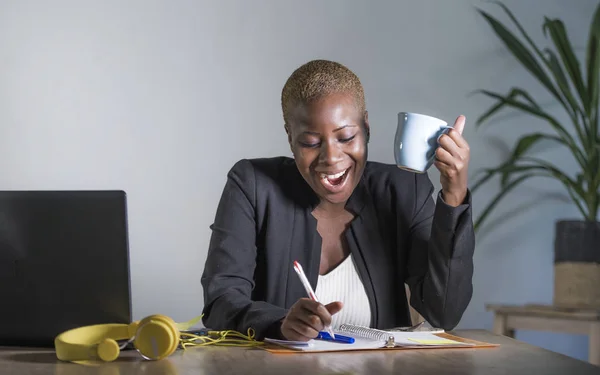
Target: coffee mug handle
446,129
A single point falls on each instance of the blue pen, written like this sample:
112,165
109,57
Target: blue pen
338,338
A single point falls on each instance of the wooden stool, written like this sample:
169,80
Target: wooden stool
508,318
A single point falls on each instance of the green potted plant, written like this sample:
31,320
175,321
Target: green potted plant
575,87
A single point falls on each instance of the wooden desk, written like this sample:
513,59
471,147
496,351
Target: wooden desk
508,318
512,357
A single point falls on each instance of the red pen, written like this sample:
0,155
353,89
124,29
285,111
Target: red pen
309,291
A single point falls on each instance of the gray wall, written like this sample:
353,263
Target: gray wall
160,98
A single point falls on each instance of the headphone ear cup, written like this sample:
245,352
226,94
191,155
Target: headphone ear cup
156,337
91,342
108,350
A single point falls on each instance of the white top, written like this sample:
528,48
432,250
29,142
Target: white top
344,285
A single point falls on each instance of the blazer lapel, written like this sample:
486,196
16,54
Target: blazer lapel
305,247
362,228
373,264
305,242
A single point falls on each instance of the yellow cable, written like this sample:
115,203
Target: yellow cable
220,338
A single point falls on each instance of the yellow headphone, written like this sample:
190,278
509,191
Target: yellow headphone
155,337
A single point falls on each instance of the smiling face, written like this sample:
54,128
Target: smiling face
328,138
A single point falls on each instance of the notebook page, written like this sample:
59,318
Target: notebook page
316,345
417,338
424,339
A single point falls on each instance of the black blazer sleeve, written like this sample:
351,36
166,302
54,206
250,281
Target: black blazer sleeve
228,277
440,261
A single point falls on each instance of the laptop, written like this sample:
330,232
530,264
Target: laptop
64,263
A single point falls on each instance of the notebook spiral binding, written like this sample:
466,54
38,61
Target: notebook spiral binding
370,333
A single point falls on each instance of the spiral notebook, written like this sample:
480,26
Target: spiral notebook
371,338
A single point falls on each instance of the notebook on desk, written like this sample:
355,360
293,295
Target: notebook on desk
372,339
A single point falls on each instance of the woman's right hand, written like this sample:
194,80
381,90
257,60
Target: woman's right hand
306,318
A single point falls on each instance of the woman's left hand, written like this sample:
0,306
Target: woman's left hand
452,160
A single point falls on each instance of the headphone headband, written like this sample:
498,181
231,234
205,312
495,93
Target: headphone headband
155,337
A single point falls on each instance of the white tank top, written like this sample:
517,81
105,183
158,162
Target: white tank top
344,285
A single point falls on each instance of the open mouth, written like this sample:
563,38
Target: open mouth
332,181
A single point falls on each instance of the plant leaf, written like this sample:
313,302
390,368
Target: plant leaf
518,24
554,65
487,210
595,166
560,175
506,168
576,201
559,36
539,113
558,74
512,184
514,93
561,79
593,66
529,140
520,52
512,169
524,144
488,174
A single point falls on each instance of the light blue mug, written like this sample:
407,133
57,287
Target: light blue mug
416,140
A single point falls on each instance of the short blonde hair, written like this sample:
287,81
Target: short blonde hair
317,79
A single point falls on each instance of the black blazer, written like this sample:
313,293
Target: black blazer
263,223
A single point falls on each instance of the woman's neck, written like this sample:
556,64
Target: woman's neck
330,210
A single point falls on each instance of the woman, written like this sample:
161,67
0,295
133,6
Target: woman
360,229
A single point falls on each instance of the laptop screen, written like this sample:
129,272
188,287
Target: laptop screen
64,263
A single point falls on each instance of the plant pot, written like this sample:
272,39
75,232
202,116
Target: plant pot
577,264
